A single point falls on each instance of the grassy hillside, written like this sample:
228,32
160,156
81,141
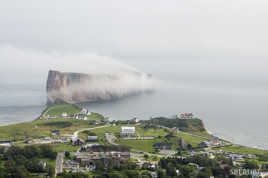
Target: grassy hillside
42,127
141,145
186,125
243,150
58,109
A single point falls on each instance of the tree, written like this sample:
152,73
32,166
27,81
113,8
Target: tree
47,151
189,147
251,165
34,165
115,175
2,175
263,157
161,173
146,156
179,151
145,175
99,165
11,170
205,173
131,173
31,151
21,172
51,171
131,165
67,154
186,171
12,153
171,170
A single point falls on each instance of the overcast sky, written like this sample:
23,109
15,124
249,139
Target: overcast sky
231,32
138,28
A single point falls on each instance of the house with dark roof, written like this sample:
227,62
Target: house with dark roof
92,138
55,132
6,143
162,146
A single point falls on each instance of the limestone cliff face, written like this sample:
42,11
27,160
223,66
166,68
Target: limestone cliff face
78,87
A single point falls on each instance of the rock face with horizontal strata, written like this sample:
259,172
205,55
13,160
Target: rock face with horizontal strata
78,87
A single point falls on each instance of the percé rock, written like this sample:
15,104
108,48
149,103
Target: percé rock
78,87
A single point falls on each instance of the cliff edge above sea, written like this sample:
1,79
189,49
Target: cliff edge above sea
79,87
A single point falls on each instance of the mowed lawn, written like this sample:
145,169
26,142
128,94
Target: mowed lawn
193,140
243,150
101,133
141,145
111,129
150,132
58,109
65,147
41,128
147,145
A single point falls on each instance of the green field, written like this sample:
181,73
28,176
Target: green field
65,147
101,133
58,109
186,125
42,127
145,145
194,141
150,132
141,145
243,150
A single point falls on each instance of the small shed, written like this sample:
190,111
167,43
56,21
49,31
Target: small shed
92,138
162,146
55,132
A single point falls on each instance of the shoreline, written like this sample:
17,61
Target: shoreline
233,142
228,139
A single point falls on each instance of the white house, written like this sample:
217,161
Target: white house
6,143
85,118
136,120
84,111
64,114
127,131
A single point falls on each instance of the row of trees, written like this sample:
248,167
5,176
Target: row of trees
174,167
20,162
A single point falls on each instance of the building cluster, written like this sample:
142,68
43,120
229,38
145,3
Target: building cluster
231,155
82,115
162,146
6,143
186,116
214,142
238,156
137,138
127,131
93,154
47,140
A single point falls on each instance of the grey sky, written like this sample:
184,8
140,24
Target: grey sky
209,40
150,28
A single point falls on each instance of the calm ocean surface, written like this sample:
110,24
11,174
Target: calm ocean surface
234,108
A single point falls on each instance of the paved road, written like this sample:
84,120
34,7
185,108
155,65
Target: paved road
76,133
111,138
59,163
